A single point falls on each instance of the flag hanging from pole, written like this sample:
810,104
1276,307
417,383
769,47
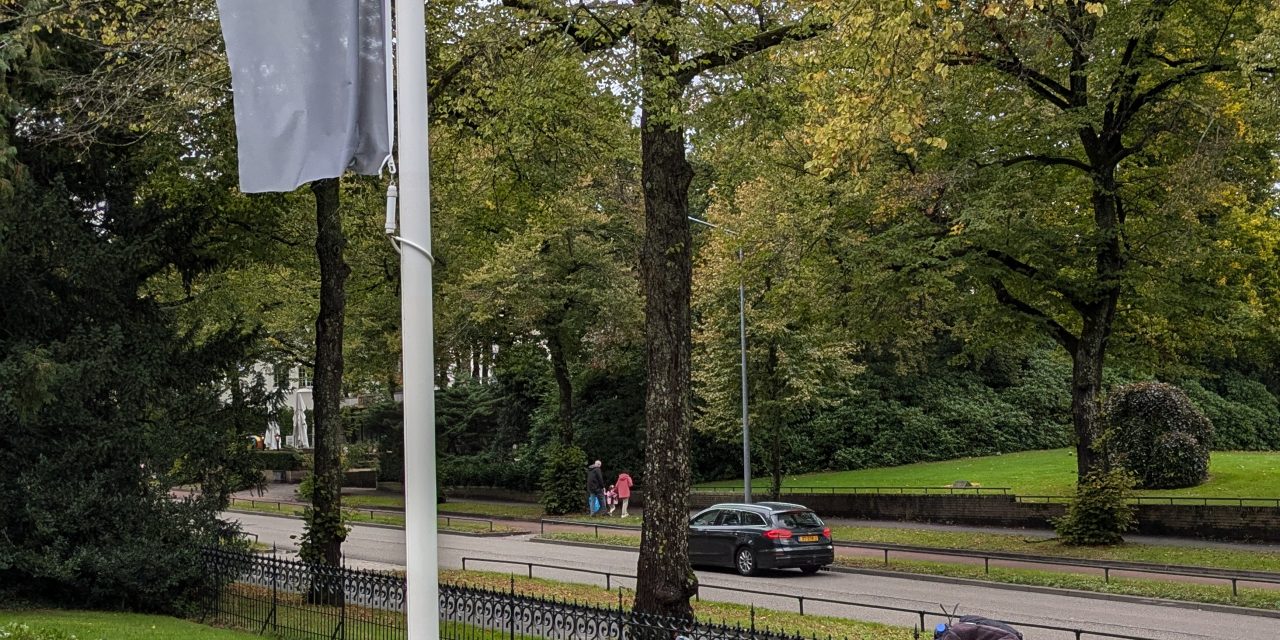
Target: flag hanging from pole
309,85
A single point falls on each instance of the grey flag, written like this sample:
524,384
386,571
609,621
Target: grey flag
309,83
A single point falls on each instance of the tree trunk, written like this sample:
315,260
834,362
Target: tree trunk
665,581
1098,315
773,416
564,383
325,532
1086,383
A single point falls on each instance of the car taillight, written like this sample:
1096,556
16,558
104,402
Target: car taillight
777,534
827,532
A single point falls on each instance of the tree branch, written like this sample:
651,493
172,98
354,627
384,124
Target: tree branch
587,40
1026,269
257,231
1060,161
1059,333
1138,49
1041,84
709,60
1150,94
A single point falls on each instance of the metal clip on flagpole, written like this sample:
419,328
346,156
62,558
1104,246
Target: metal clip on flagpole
392,226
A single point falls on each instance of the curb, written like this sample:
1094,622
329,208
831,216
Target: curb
585,545
1057,591
378,525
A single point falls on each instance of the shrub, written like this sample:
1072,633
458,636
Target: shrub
1244,414
1153,430
307,487
278,460
564,480
520,471
1100,514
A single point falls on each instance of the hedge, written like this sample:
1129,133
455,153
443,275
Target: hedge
278,460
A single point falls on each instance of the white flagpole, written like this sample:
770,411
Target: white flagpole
423,598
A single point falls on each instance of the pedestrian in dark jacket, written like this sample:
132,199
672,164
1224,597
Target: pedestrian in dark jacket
595,488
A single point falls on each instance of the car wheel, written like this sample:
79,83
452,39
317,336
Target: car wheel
745,561
808,571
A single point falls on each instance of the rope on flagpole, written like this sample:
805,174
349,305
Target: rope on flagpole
388,54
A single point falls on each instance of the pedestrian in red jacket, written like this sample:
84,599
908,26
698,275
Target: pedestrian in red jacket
623,487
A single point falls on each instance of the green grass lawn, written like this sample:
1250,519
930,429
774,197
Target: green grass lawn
1053,472
493,509
375,502
92,625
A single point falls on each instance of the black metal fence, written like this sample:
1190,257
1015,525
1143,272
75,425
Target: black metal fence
290,599
921,619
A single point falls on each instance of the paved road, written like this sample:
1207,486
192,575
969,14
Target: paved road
384,548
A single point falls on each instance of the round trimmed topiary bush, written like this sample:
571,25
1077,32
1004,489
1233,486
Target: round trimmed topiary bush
1153,430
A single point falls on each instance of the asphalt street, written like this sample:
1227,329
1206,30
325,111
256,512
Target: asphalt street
383,548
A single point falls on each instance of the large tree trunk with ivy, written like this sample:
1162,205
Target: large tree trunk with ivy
664,581
325,532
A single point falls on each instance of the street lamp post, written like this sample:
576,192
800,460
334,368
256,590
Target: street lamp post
742,346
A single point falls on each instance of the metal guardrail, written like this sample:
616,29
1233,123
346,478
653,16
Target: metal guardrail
801,489
543,522
280,504
1233,576
921,614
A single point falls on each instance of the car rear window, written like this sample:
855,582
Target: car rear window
798,519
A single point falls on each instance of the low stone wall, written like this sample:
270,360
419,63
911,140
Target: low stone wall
361,478
1223,522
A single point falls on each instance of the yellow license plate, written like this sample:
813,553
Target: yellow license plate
808,538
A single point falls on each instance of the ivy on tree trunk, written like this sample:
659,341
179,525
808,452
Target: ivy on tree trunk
322,543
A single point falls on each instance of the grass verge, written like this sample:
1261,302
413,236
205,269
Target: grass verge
445,523
375,502
1184,591
493,509
1260,598
620,540
1211,557
731,614
92,625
